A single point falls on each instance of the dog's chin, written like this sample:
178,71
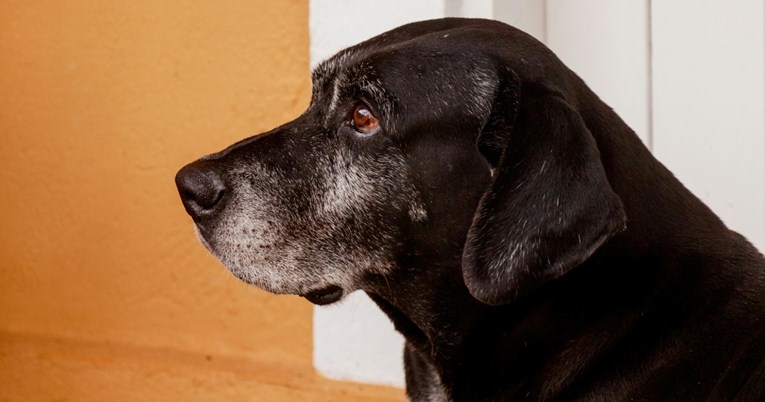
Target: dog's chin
319,295
322,295
325,295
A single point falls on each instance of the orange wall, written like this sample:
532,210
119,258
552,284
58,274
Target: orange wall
100,104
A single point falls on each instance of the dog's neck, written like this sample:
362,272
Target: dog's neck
677,217
430,305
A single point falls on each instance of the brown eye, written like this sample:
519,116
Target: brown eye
364,121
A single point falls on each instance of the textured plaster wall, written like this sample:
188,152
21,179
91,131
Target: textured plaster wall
100,104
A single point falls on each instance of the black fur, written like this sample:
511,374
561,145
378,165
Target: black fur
559,260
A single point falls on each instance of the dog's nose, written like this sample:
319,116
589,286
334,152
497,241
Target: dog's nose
201,189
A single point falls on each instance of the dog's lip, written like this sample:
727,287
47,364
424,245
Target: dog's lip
326,295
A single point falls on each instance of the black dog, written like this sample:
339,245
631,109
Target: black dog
515,230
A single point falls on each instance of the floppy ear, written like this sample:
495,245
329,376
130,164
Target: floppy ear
549,206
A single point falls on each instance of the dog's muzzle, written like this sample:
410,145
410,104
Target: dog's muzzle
202,190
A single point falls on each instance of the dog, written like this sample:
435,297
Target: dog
515,230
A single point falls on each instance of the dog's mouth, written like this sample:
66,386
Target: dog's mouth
323,296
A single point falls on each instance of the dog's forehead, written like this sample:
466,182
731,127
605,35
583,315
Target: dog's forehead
323,72
370,56
340,67
386,41
406,41
424,58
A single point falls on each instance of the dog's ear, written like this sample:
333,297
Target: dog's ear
549,205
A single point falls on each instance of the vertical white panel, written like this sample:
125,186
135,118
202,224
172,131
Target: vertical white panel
709,104
469,8
526,15
337,24
355,340
606,42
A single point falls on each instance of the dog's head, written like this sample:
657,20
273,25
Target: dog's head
451,135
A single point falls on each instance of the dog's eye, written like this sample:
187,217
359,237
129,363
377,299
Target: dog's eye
364,121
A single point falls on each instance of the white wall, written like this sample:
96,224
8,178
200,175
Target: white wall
687,75
708,104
